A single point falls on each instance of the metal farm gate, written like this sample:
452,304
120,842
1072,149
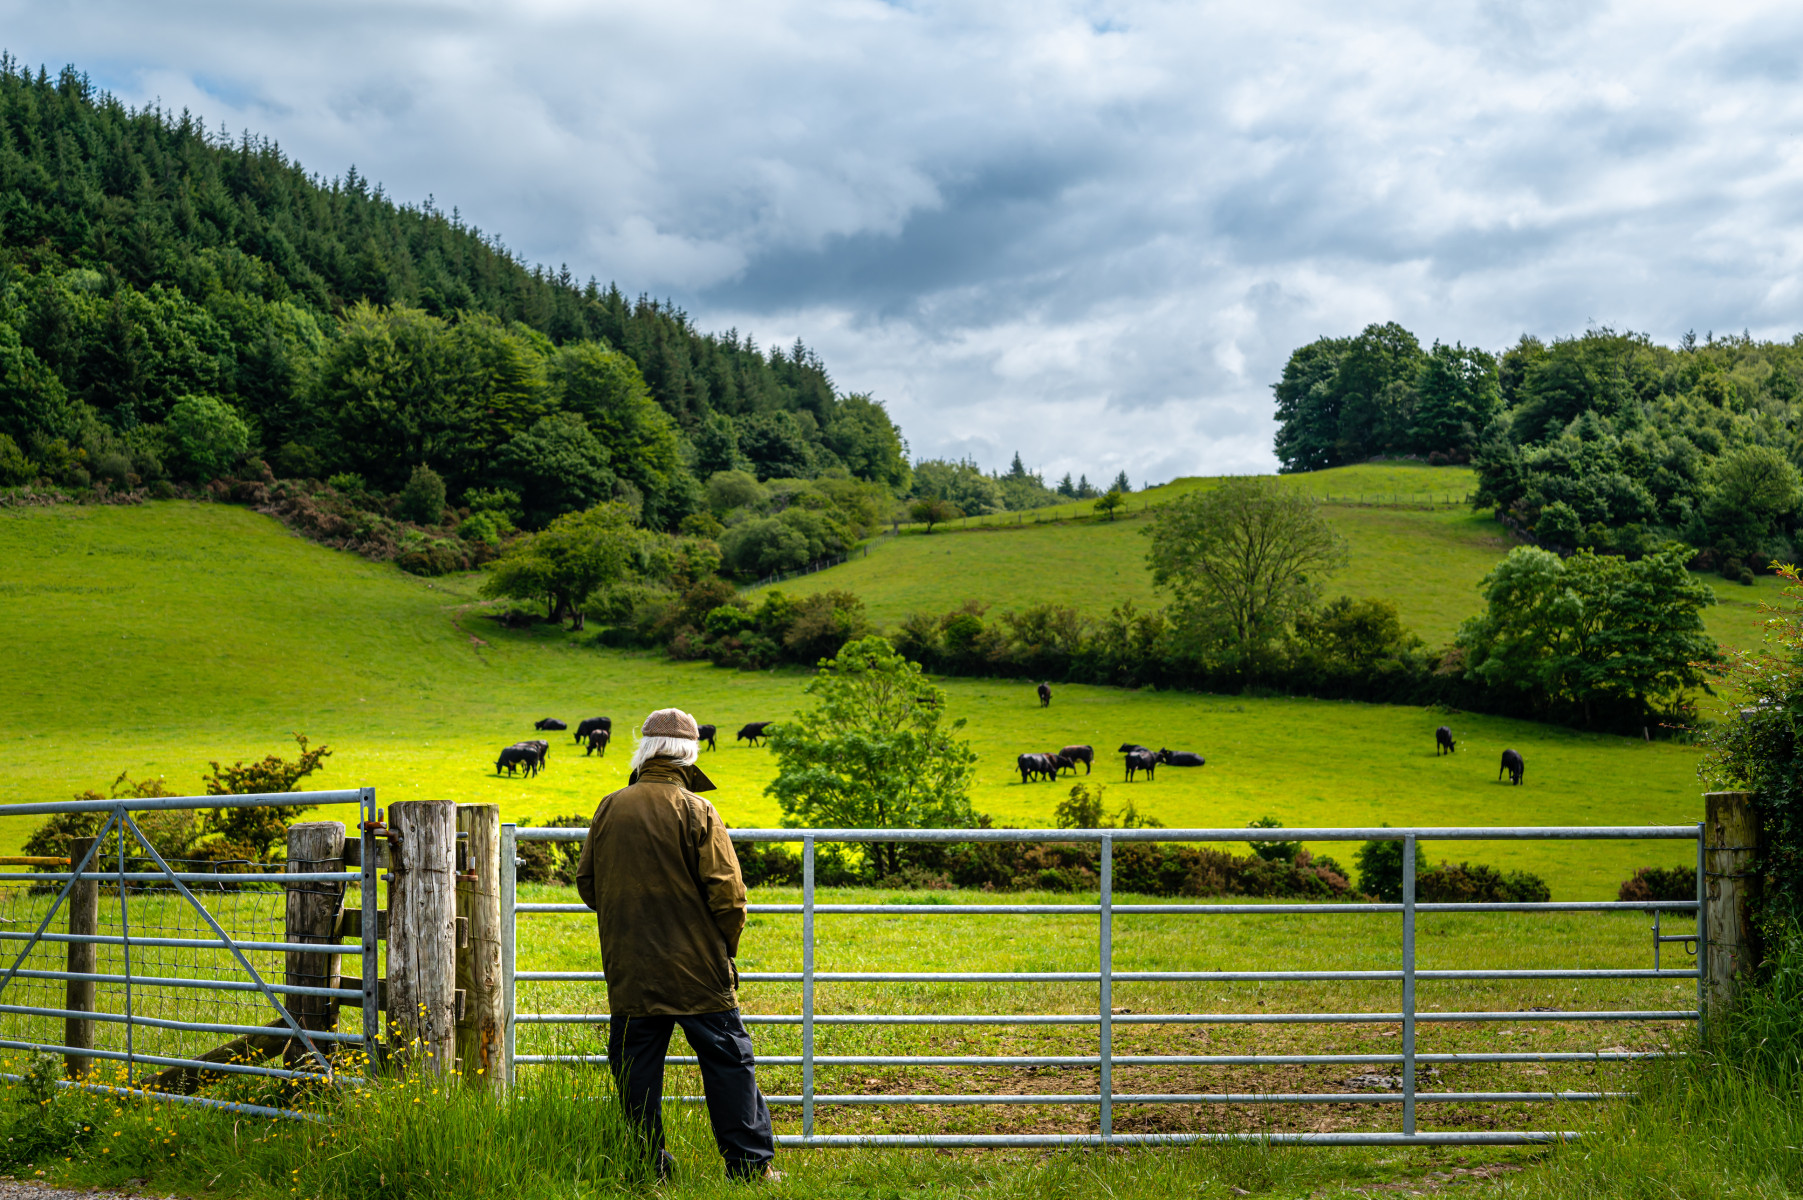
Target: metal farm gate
1398,1074
134,967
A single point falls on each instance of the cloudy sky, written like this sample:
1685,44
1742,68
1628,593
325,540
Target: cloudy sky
1089,231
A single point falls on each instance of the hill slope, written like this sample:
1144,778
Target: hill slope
154,638
1428,561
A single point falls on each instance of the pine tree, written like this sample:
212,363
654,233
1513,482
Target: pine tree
1120,484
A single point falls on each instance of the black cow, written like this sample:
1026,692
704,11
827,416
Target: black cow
1080,754
1032,765
1442,741
586,727
1061,763
1181,758
1045,696
705,733
539,747
597,740
752,732
514,757
1140,760
1511,763
549,723
1129,747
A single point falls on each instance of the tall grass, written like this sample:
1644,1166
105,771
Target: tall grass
1724,1120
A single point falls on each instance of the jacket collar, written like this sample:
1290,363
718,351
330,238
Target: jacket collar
668,770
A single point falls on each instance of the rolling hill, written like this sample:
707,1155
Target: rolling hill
157,637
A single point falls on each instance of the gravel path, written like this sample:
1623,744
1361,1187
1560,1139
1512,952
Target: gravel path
20,1189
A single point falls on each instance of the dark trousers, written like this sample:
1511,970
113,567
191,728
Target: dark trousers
735,1107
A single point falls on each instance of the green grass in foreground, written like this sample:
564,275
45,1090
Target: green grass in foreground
155,638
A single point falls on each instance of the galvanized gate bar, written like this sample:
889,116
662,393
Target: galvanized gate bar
807,987
1359,1018
1408,985
1105,1008
1319,909
510,875
209,985
1381,833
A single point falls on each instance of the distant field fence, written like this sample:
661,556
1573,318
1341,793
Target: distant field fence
819,564
1108,1099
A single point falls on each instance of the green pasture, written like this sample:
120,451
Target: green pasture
154,638
1428,561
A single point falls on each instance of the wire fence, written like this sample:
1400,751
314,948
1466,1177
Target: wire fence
1169,1065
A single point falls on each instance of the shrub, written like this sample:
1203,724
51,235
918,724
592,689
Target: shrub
552,862
206,436
50,1122
1465,883
15,469
770,863
422,500
1273,851
1380,869
1660,883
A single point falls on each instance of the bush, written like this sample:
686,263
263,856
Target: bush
49,1122
1468,884
1380,869
552,862
206,436
1660,883
769,863
422,500
15,469
1273,851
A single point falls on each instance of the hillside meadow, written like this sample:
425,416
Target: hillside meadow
1410,539
154,638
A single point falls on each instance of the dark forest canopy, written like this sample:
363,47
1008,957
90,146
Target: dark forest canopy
147,264
1604,441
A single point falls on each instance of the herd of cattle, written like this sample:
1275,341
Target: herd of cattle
1047,766
596,733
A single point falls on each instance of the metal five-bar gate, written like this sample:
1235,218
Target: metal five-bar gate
152,955
1107,1099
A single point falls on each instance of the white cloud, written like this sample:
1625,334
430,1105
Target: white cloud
1089,231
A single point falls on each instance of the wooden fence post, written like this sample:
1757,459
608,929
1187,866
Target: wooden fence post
312,916
1730,842
78,995
481,1033
422,932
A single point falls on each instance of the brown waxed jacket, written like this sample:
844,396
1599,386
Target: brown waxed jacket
661,875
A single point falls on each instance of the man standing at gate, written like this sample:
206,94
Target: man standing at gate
661,875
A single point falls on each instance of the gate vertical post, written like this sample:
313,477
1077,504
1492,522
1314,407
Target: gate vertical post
1408,985
510,876
807,986
1105,1044
1702,932
1731,834
125,946
479,1033
78,995
369,897
311,916
422,930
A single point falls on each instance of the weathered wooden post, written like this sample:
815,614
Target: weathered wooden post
481,1032
313,916
78,996
1730,843
422,932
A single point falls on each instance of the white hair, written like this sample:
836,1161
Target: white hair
683,750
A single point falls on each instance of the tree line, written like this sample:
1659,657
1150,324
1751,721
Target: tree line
1604,441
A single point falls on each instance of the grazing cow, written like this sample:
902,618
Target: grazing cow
1442,741
705,733
1511,762
1080,754
1032,765
1140,760
584,728
538,747
752,732
1181,758
1061,763
549,723
1045,696
597,740
514,757
1129,747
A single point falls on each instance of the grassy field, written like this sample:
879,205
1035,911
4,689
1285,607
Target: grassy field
154,638
1428,561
